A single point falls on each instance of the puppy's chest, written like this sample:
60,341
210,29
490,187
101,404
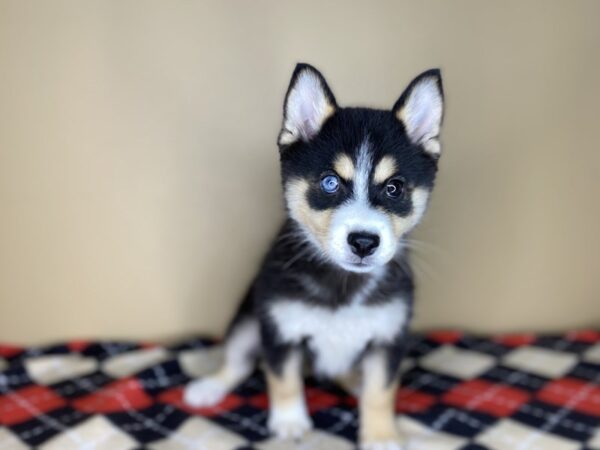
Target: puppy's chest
337,337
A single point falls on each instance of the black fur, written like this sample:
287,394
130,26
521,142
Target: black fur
344,132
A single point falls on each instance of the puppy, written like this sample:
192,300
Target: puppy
335,288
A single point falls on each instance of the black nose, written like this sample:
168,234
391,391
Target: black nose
363,244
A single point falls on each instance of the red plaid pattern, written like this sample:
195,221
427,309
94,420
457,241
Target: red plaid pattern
458,392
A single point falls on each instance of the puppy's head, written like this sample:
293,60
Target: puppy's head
356,179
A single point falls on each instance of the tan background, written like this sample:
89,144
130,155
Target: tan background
138,167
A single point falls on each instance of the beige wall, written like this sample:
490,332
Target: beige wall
138,167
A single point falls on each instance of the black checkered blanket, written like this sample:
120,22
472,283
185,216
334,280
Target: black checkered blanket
511,392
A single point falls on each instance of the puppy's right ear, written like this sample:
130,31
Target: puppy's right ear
308,104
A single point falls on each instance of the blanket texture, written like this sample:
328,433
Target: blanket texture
517,392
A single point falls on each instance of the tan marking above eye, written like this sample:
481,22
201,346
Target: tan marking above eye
386,167
344,166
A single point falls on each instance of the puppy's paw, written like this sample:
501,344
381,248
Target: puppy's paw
396,444
289,423
205,392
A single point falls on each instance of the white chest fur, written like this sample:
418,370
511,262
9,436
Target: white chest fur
338,336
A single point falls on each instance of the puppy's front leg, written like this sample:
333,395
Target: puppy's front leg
377,405
288,416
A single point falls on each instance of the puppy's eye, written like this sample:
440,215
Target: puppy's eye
394,187
330,184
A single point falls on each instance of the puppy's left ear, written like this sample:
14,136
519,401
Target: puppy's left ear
308,104
421,109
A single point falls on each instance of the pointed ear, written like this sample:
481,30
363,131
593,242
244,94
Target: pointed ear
308,104
421,109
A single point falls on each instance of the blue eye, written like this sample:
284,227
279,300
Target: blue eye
330,184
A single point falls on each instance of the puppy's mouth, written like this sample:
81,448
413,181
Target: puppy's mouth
360,265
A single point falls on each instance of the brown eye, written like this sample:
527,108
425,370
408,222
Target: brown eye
394,187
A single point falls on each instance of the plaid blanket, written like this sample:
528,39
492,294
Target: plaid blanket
518,392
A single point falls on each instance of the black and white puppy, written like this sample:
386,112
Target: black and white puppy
335,286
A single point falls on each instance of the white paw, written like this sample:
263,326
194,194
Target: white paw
383,445
289,423
205,392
